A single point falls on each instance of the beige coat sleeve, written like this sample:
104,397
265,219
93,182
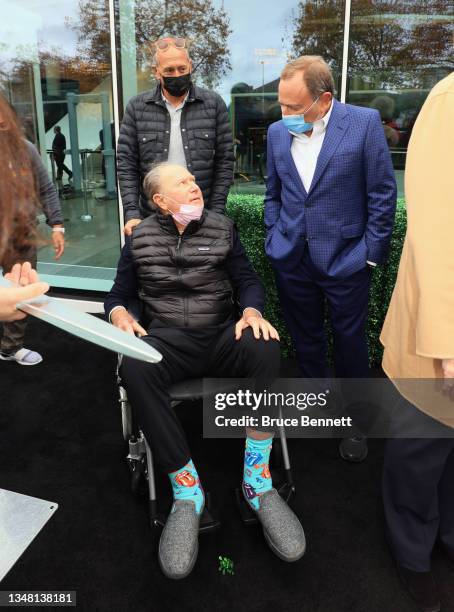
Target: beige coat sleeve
429,187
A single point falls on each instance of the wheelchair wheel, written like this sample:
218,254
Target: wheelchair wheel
138,480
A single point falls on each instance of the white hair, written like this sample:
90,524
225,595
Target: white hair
152,180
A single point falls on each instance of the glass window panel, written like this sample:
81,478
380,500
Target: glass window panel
238,49
56,71
398,51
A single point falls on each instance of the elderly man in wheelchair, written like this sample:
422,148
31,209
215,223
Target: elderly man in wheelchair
185,263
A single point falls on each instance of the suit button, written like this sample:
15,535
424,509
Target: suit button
186,147
165,150
183,129
167,131
144,139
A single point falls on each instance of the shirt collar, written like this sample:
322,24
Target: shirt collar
169,104
324,120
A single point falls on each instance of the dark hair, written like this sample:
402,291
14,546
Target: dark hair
18,201
57,128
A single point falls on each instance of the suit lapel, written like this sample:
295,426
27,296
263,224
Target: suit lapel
335,131
286,141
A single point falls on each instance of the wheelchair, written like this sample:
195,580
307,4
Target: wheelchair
141,464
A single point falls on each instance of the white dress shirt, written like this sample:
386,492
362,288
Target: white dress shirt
305,149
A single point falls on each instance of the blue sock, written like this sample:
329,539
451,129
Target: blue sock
256,476
186,485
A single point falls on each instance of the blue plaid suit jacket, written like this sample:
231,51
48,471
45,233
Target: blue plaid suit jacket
347,216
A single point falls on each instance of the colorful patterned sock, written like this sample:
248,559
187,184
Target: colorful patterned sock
256,476
186,485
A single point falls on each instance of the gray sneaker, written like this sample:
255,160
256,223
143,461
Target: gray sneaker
281,527
179,542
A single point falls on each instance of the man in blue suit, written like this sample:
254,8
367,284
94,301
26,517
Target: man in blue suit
329,213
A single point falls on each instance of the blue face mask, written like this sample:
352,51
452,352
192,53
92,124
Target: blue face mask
296,123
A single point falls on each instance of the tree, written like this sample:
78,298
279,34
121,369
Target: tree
394,40
319,30
198,20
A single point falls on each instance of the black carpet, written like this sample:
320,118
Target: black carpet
61,441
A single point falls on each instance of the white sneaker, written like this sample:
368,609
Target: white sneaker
23,356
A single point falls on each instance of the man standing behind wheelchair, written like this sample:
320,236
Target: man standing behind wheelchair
185,264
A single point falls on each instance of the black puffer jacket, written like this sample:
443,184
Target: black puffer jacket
145,136
182,279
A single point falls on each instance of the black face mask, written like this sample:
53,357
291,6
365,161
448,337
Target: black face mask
177,86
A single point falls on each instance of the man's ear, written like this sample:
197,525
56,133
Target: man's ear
158,200
327,98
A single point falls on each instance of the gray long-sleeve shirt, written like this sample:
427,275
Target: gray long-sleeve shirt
47,194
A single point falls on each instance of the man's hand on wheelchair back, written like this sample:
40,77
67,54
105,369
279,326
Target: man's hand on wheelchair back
252,318
124,321
130,225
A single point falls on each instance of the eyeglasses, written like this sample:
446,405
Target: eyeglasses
164,43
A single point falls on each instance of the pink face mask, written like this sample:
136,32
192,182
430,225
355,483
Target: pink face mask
187,213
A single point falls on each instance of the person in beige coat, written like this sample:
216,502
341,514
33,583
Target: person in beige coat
418,336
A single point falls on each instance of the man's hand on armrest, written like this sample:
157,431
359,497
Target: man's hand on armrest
129,225
121,318
252,318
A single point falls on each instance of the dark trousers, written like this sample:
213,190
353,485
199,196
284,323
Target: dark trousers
189,353
418,497
13,333
303,293
60,163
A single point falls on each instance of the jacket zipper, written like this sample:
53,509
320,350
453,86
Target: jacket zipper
178,259
185,299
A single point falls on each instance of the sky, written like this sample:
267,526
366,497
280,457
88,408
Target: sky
258,25
33,21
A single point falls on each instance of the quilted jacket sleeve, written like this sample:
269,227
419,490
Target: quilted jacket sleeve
128,165
223,159
48,196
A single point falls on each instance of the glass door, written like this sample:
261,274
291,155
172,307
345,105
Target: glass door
60,83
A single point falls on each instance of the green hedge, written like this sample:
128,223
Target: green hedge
247,212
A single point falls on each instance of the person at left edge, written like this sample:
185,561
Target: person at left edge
176,122
12,337
16,233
